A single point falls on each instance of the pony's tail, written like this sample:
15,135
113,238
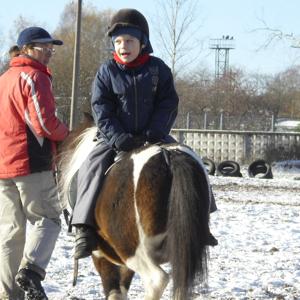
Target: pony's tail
188,223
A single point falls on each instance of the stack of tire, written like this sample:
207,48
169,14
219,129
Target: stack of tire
209,165
259,168
229,168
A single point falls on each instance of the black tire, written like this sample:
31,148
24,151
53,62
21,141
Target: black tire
260,166
229,168
209,165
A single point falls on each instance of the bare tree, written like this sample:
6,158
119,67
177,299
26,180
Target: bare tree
275,35
176,30
94,50
283,92
18,25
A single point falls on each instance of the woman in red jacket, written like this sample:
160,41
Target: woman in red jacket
29,130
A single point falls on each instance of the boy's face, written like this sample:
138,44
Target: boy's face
127,47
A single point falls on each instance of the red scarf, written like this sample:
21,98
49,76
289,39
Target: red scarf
140,60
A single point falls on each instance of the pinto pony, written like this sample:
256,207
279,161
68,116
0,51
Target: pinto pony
153,208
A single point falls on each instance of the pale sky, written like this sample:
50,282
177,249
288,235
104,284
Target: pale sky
237,18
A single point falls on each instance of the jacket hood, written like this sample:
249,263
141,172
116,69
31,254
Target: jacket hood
24,60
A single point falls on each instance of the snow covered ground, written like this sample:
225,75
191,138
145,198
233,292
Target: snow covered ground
258,256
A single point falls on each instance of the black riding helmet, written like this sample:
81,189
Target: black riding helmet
129,17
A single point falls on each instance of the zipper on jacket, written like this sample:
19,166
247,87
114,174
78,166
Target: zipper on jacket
135,101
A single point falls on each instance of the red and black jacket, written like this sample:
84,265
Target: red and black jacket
29,127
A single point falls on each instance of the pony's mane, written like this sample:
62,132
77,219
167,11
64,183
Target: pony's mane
72,159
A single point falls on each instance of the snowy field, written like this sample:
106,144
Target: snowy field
258,256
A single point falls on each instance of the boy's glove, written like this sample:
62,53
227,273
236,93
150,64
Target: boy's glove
127,142
153,136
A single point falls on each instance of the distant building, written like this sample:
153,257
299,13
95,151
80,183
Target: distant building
284,125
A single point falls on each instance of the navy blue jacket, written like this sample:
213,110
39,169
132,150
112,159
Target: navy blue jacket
133,100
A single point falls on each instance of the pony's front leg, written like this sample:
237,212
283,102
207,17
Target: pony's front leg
110,276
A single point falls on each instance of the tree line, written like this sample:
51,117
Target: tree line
245,101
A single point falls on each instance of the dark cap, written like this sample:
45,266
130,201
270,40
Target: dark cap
36,35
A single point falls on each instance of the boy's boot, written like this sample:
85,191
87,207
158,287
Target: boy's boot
85,241
30,282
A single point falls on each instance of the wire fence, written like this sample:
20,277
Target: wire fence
250,121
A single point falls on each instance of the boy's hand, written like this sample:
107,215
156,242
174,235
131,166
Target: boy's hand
128,142
153,136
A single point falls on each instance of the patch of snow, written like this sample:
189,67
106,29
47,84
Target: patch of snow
258,256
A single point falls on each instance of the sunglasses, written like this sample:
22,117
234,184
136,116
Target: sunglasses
45,50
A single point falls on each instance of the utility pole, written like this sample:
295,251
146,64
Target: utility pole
76,68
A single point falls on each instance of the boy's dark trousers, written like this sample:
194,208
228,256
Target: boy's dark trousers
89,182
